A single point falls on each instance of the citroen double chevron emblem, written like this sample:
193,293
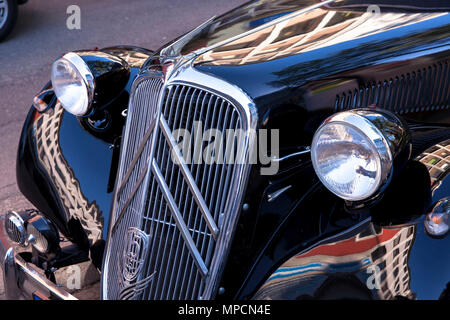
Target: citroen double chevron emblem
133,259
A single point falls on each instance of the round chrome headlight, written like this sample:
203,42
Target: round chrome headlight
73,83
351,155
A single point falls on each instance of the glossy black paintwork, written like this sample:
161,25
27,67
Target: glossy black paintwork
68,179
111,75
364,60
427,262
255,14
294,93
308,213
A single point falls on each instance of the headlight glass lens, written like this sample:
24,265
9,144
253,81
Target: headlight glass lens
70,87
346,161
39,242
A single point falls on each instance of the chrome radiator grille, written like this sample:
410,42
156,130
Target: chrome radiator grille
168,215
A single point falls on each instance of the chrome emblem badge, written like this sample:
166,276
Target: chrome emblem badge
136,247
133,259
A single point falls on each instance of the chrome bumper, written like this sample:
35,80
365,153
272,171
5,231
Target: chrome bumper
21,280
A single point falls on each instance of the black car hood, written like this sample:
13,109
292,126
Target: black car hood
264,14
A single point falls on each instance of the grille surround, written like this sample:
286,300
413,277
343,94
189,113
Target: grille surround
191,78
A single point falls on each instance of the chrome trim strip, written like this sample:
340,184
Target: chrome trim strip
176,214
130,198
295,154
10,276
17,272
136,157
174,49
35,276
272,196
189,179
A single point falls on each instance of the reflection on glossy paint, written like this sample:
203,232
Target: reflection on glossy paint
46,133
135,57
312,30
437,161
437,221
350,262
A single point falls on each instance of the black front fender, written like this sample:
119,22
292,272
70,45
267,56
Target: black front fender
66,166
322,250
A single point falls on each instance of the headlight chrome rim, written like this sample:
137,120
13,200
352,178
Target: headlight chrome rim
358,121
85,74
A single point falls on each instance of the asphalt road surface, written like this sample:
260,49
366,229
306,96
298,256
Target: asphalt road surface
41,35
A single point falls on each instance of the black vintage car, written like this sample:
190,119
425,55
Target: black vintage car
284,150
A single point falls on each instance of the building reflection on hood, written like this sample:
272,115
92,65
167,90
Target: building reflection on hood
77,206
373,264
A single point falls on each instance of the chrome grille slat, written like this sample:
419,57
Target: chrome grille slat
189,179
176,215
177,123
185,204
193,274
179,205
196,220
151,91
136,158
184,257
130,199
